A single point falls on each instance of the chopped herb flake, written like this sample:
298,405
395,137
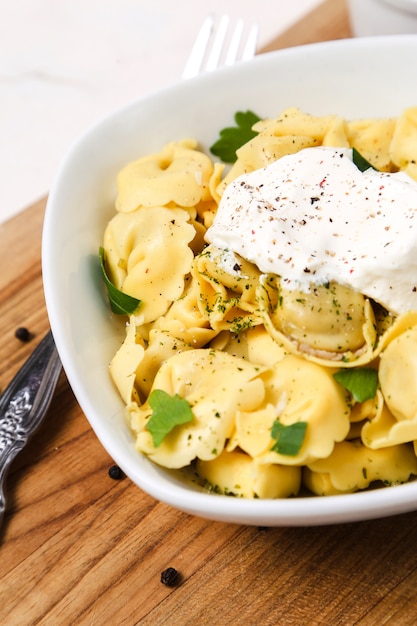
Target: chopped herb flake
361,163
120,303
167,412
289,439
233,137
362,382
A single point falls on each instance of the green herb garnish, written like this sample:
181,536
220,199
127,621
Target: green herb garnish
361,163
362,382
289,439
233,137
120,303
167,412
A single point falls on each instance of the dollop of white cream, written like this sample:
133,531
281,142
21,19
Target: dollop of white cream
314,217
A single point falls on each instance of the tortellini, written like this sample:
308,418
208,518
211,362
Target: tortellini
227,285
352,467
373,139
398,375
214,384
235,473
295,391
329,325
290,132
396,418
301,391
330,319
123,366
178,174
133,244
403,145
255,362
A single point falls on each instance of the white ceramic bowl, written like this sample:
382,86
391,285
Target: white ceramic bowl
358,77
382,17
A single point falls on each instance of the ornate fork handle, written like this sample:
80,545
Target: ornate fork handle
24,404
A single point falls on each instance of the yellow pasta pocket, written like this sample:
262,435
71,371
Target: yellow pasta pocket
179,174
352,467
133,243
328,324
396,420
236,473
372,138
215,385
298,391
125,362
227,285
404,142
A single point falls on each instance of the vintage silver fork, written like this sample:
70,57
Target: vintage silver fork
24,403
218,44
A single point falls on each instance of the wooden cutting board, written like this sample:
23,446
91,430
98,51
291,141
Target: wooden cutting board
81,548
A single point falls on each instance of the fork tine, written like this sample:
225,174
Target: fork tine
249,50
215,46
216,50
233,50
195,60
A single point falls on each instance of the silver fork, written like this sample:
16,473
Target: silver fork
217,44
24,403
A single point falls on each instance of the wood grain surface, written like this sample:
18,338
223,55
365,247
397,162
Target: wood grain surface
79,548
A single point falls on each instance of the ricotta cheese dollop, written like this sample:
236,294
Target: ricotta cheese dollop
314,217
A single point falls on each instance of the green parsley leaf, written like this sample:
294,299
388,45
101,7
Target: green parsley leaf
120,303
361,163
362,382
289,439
233,137
167,412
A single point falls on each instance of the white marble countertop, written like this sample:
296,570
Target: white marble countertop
64,64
